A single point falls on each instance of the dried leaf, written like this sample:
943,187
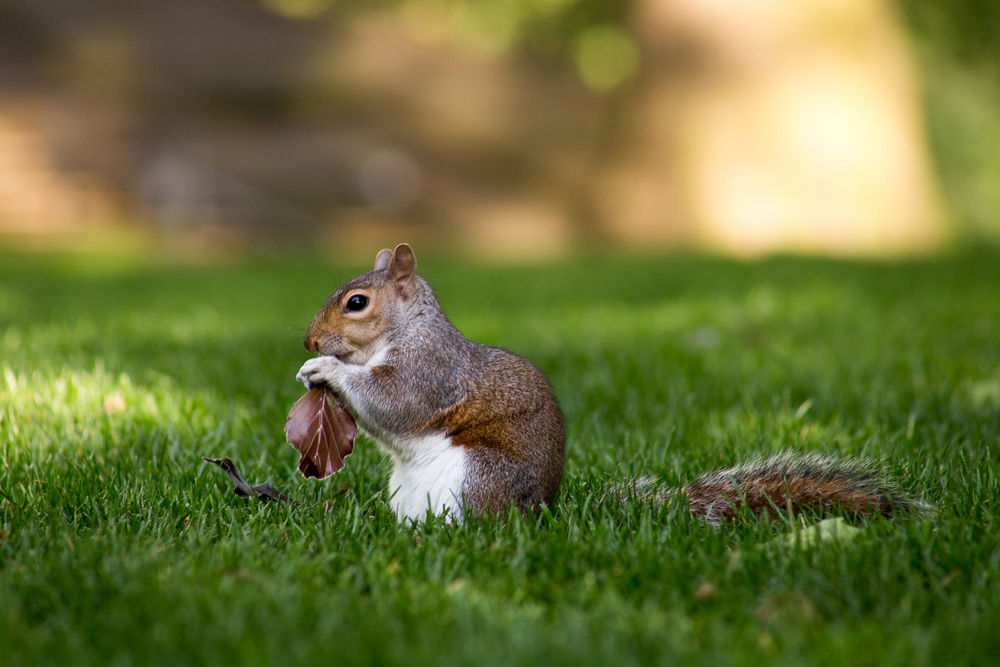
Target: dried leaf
268,492
244,490
322,430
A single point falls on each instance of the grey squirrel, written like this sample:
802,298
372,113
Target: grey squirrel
476,428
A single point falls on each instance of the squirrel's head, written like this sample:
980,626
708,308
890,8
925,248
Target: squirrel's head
354,319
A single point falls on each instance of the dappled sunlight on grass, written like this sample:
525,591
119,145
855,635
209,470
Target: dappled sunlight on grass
80,411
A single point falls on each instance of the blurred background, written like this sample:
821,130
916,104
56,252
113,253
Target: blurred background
509,127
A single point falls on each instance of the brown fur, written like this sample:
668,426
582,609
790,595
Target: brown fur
339,332
794,483
774,496
514,430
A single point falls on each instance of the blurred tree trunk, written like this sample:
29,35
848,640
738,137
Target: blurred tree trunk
780,124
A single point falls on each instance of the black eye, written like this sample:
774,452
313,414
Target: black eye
357,302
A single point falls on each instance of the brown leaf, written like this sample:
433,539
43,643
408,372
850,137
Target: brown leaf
244,490
322,430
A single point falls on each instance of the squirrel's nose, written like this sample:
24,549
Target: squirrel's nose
312,345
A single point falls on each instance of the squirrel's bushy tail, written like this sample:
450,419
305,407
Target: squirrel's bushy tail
789,482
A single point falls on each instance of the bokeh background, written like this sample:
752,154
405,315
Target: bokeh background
509,127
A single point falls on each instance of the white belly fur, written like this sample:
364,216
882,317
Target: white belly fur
428,473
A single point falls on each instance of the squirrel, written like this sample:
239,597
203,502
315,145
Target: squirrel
465,425
476,429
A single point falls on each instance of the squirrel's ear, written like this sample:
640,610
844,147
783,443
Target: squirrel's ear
403,270
382,259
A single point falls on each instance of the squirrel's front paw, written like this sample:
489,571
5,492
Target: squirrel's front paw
321,371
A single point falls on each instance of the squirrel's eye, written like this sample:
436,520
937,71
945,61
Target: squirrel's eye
357,302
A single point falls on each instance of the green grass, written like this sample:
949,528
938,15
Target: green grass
119,545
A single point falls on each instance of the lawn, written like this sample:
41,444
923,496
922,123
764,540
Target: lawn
120,545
